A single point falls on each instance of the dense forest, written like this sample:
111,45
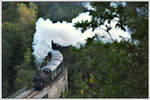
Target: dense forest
18,27
113,69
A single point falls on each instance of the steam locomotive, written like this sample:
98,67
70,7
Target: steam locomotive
49,72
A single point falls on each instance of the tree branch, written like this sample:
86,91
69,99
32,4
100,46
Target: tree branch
108,33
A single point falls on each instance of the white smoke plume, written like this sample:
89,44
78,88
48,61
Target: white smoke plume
61,33
65,34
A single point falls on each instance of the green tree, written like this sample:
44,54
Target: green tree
17,34
59,11
27,24
117,69
11,43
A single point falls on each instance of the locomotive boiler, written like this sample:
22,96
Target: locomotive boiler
49,72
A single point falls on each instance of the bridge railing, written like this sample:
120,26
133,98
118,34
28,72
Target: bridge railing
17,93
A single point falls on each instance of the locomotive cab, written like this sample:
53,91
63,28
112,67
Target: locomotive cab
46,76
45,73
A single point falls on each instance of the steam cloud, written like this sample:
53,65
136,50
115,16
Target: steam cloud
65,34
61,33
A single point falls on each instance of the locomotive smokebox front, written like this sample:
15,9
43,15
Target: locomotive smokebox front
38,82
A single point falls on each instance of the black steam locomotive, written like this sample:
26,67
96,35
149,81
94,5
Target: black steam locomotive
49,72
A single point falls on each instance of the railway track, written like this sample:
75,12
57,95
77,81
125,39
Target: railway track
33,94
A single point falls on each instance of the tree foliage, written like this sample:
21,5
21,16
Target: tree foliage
59,11
116,70
108,70
97,69
128,15
17,34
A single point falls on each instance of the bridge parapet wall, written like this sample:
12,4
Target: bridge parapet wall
60,86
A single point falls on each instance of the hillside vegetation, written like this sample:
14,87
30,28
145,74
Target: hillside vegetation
97,69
